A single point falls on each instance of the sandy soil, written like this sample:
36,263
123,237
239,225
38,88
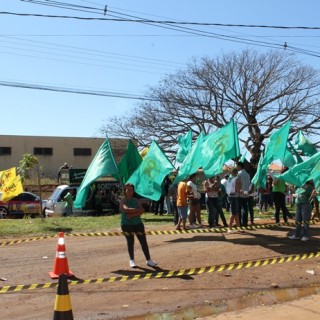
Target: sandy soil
194,295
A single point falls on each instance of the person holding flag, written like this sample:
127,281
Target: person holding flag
279,198
316,195
194,202
303,197
131,210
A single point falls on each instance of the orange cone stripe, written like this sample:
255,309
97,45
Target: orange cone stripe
62,303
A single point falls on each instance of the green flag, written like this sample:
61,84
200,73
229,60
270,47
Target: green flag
218,148
260,178
294,151
149,176
303,144
275,150
302,172
192,161
103,164
185,143
129,162
288,160
243,157
317,187
277,144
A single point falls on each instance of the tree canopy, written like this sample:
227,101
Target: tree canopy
259,91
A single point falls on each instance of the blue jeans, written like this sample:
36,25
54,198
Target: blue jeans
212,214
303,215
243,211
279,200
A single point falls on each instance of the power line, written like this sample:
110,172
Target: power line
140,64
176,27
111,94
139,20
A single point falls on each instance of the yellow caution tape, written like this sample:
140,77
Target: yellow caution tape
171,274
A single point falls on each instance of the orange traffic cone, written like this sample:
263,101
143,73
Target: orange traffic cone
62,306
61,262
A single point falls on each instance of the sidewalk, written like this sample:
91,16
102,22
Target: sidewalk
304,308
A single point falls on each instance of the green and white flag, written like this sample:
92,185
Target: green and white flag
274,150
218,148
149,176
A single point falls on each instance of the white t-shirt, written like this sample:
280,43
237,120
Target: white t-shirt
231,186
194,188
224,181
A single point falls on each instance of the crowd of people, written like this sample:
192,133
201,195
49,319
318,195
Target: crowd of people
234,193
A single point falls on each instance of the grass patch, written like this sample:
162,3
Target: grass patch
15,228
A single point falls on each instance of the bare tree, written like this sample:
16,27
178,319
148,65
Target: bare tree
259,91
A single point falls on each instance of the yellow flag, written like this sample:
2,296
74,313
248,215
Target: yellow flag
6,175
144,152
12,188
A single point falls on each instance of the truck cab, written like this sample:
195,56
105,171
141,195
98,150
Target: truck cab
101,198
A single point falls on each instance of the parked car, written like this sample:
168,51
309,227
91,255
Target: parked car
55,204
26,203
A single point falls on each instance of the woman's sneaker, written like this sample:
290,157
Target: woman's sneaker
151,263
293,237
132,264
304,239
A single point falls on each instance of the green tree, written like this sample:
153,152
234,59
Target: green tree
260,92
27,164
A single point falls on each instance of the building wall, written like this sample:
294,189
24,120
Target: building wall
62,151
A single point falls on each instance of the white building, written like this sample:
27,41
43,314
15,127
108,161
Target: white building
53,152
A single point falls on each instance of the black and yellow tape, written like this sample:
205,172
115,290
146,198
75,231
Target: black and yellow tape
172,274
155,232
18,241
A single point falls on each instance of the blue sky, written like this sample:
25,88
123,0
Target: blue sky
124,57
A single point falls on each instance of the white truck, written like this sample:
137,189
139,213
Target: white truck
55,206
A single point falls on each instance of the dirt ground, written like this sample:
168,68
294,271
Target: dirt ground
198,293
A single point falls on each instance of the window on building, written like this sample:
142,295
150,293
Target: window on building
82,151
43,151
4,151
